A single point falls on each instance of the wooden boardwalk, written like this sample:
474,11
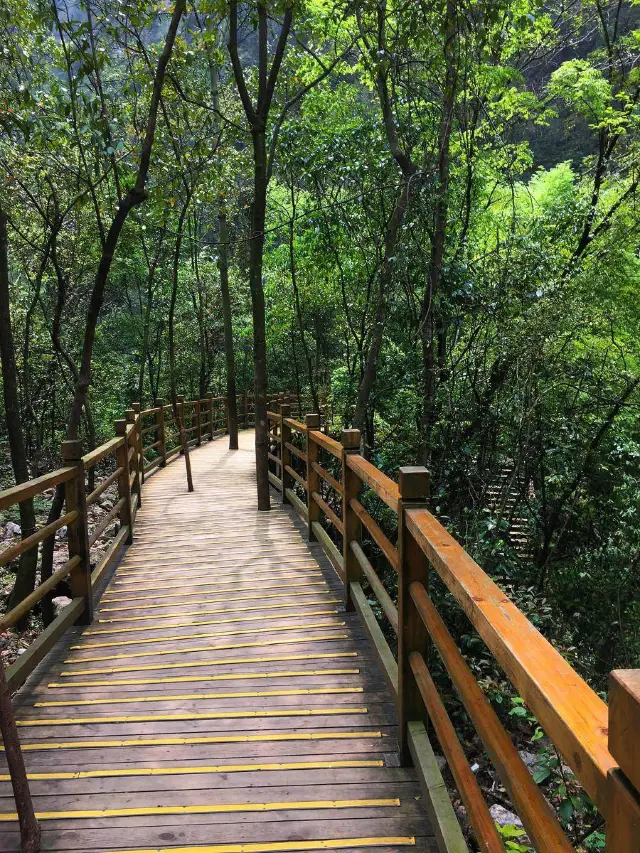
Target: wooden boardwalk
222,699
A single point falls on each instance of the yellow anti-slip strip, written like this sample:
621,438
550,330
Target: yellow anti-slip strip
178,697
156,652
183,741
291,846
187,579
199,612
192,623
210,809
307,570
212,715
231,676
198,769
326,623
191,664
289,592
289,586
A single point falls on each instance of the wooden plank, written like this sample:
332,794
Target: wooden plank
377,534
328,478
19,671
384,599
28,603
449,837
298,505
330,514
382,485
330,549
14,551
24,491
570,712
389,665
110,556
94,456
466,783
531,806
329,444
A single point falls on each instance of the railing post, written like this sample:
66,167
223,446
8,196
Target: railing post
124,480
623,795
351,486
137,422
29,828
160,433
413,485
77,534
211,427
312,422
138,457
198,425
285,454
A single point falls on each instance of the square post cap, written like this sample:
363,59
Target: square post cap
130,415
120,427
71,450
135,407
350,439
285,409
413,482
158,402
312,421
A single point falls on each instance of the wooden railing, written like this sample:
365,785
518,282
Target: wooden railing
144,441
323,479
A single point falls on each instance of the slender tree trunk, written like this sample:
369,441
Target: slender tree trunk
438,244
256,248
26,573
229,355
177,414
368,378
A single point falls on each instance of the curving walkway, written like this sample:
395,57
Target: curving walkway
221,700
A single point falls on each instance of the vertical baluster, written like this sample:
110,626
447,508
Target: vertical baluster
124,480
413,485
77,534
160,432
198,424
137,422
351,486
138,457
312,422
210,408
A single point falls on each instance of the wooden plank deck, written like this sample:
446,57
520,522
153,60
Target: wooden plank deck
222,699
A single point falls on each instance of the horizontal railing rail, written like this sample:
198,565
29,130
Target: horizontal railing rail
600,744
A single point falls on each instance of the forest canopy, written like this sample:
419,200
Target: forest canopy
421,218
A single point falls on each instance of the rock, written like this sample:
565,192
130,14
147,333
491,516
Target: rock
59,603
12,529
503,817
62,533
529,758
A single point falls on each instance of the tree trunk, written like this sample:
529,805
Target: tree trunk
26,573
256,248
230,359
438,243
368,378
177,414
